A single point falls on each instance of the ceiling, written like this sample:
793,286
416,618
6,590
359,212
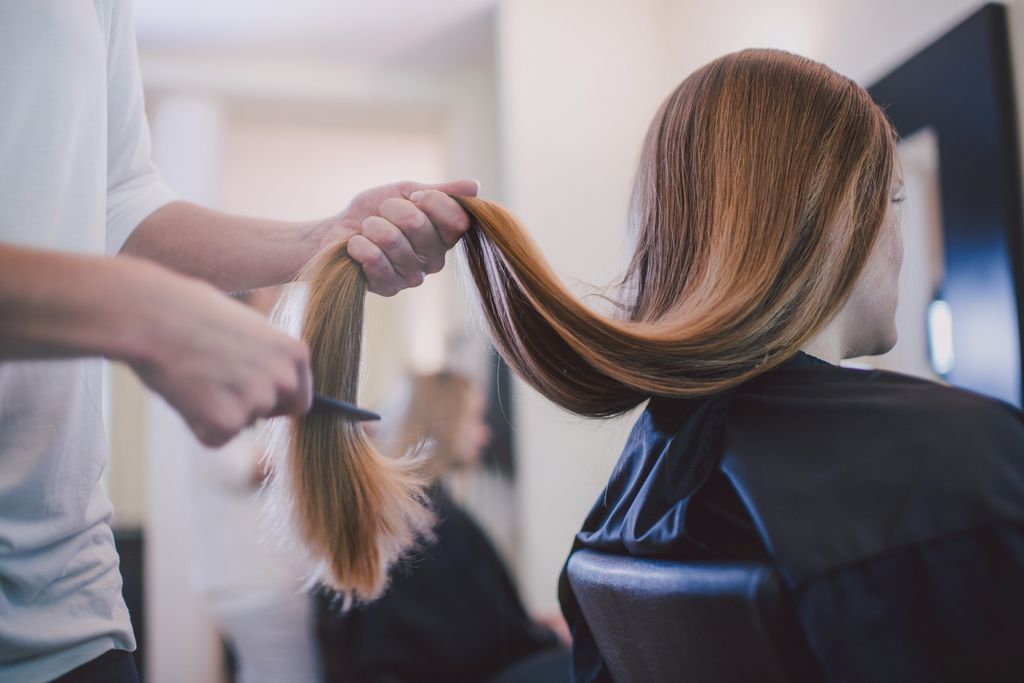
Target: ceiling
356,32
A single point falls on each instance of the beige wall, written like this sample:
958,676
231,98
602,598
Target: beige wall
862,39
127,472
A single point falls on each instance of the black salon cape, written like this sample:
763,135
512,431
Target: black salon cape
892,507
451,614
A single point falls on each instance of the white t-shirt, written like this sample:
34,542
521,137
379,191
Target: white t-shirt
75,175
238,562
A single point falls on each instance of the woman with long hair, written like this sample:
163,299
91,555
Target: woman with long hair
767,250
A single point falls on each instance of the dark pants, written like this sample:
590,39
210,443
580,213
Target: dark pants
113,666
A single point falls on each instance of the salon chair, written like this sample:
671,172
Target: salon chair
658,621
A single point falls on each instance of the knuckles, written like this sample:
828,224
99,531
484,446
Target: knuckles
376,264
383,233
403,214
390,238
440,203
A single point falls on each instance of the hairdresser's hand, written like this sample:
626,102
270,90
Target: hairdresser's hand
401,232
215,361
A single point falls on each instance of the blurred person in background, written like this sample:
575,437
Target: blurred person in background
452,612
254,589
98,259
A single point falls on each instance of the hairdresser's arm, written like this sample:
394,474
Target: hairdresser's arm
398,232
214,360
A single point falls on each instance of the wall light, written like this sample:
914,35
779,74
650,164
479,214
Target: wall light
940,336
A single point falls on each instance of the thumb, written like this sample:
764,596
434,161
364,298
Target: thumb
468,188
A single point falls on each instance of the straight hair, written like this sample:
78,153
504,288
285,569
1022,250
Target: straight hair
761,190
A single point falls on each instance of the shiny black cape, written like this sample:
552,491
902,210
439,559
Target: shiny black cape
893,508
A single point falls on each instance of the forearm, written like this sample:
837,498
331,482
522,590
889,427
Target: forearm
231,252
58,305
215,361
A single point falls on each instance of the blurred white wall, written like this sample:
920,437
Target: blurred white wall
579,82
862,39
277,168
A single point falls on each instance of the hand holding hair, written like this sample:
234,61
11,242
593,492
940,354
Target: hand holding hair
400,233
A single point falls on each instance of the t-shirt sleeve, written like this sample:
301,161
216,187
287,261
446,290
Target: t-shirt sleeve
134,189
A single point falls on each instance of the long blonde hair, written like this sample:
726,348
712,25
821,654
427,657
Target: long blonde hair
761,189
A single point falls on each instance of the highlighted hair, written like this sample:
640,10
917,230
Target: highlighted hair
762,187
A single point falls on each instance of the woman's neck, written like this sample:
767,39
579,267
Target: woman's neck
827,345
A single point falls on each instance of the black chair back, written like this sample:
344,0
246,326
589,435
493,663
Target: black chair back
664,621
